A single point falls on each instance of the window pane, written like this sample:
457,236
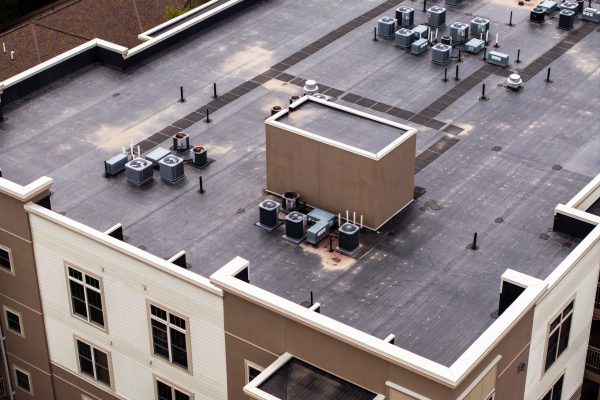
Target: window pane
162,314
4,259
78,298
178,348
567,309
252,373
555,323
23,381
175,320
557,389
565,329
551,352
75,274
102,371
85,358
164,391
548,396
92,281
159,339
13,321
95,306
181,396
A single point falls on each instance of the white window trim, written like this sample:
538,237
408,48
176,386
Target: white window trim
21,370
186,332
247,365
549,333
87,377
6,309
562,375
11,261
174,387
86,286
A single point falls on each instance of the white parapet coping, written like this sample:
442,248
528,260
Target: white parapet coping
577,214
146,35
124,248
586,196
449,376
61,58
154,40
409,131
28,192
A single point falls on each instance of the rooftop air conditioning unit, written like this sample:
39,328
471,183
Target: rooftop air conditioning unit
419,46
420,32
171,169
139,171
440,53
349,238
156,155
459,33
295,226
181,141
497,58
591,14
386,26
549,6
405,16
404,38
436,17
537,15
566,20
269,214
480,26
569,5
199,155
475,45
115,165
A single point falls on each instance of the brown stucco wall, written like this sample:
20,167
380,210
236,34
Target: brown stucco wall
70,386
20,292
337,180
259,335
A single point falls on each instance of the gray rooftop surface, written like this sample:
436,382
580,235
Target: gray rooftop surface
416,278
342,126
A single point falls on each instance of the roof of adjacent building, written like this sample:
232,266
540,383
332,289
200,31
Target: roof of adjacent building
496,167
68,24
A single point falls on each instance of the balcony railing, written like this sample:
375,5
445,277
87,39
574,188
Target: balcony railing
592,361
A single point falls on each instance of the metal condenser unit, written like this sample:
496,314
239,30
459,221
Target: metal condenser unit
459,33
420,32
115,165
404,38
386,27
171,169
295,226
436,17
419,46
566,20
537,15
405,16
269,213
569,5
497,58
139,171
349,238
479,26
591,14
440,53
475,45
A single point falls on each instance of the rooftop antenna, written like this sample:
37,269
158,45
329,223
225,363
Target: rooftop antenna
12,55
124,150
131,148
361,221
347,219
139,152
4,47
354,217
339,219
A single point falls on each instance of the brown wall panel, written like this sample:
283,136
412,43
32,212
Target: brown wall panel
14,218
337,180
40,381
31,348
69,386
277,334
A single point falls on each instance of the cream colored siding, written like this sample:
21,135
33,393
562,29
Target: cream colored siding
127,285
395,395
484,388
576,278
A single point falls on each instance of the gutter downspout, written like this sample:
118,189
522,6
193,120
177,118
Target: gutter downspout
5,363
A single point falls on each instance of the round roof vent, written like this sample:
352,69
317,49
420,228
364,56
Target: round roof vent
349,228
295,216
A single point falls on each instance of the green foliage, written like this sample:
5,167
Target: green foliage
172,12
